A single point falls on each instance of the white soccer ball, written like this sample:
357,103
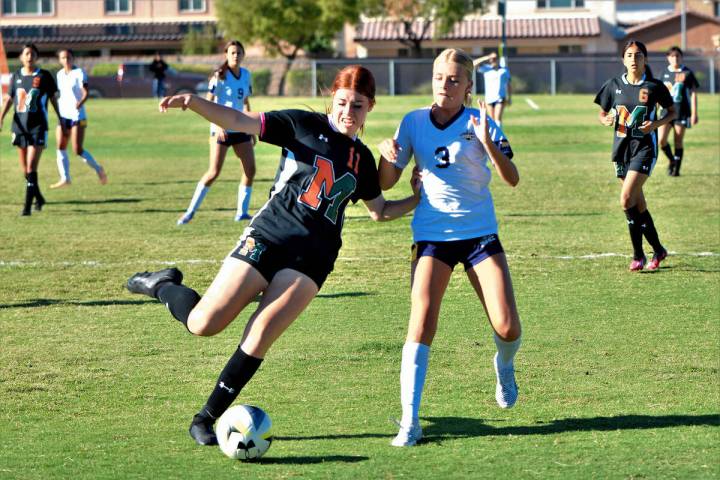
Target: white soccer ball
243,432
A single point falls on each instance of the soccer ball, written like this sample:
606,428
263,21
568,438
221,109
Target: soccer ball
243,432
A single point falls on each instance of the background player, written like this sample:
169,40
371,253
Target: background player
30,89
498,91
230,85
454,223
634,97
73,89
291,244
681,82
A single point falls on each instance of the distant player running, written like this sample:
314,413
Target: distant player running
496,79
454,223
230,85
681,82
73,88
633,98
30,89
290,246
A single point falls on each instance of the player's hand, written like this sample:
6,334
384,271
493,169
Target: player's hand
694,120
647,127
481,125
221,135
176,101
389,149
416,181
608,119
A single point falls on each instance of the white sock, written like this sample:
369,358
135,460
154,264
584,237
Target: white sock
200,192
412,380
244,193
63,164
90,161
506,350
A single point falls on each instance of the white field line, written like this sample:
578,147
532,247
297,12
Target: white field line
532,104
136,263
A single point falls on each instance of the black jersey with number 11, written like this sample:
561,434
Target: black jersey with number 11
633,105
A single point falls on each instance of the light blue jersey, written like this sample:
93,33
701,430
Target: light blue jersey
455,202
496,82
231,91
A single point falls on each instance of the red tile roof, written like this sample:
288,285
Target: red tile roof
668,17
487,28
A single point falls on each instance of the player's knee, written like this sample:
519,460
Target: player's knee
211,176
78,150
201,323
249,171
509,329
626,200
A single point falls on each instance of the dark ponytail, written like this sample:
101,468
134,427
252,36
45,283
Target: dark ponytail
222,69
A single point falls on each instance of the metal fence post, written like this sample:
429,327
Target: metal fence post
711,65
313,77
391,77
553,77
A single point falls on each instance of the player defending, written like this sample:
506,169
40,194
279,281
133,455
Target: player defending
73,88
681,82
230,86
498,90
633,98
30,89
454,223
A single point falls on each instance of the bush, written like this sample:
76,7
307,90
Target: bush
298,82
202,69
200,42
104,69
261,81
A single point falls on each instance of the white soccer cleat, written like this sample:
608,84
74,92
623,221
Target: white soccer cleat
407,437
185,219
506,390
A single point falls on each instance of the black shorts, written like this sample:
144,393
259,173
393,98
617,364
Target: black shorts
469,252
232,138
680,120
67,124
269,258
642,165
24,140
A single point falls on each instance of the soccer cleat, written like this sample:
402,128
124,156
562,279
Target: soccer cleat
241,217
25,212
671,168
637,264
39,203
676,168
656,259
102,176
201,430
506,389
407,436
185,219
60,184
147,283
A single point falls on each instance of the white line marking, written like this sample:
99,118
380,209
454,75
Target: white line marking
137,263
532,104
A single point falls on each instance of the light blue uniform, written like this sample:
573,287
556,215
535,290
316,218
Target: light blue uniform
455,202
231,92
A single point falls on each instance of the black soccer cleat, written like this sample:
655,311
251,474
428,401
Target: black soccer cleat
39,203
201,430
147,283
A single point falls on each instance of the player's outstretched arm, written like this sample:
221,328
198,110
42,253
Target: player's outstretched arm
382,210
480,60
649,125
225,117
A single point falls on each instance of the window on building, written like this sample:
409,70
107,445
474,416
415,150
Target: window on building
27,7
118,6
192,5
570,49
560,3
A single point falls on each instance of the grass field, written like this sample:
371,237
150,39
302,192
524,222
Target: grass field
618,372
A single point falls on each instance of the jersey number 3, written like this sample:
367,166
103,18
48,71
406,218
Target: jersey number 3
324,186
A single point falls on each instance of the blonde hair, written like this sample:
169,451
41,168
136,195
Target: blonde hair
455,55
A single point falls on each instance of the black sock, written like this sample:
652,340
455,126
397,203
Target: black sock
667,151
29,193
237,372
648,229
678,160
632,214
33,178
179,299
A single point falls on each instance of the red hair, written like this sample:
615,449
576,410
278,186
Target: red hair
357,78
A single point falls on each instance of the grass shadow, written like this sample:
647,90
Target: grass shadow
343,294
303,460
566,214
46,302
95,202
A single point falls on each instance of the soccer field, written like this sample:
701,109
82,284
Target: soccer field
618,372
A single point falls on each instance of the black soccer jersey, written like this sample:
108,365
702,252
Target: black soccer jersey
680,84
633,105
320,171
30,94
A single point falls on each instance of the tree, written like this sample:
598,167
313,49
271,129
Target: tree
414,18
284,27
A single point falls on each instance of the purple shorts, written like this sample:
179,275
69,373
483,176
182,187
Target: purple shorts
469,252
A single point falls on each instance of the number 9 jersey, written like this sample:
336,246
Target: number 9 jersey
231,91
455,203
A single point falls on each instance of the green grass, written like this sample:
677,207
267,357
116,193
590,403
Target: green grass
618,372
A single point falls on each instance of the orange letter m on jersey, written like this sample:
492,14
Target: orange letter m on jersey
633,120
324,186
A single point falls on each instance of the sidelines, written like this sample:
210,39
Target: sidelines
95,263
